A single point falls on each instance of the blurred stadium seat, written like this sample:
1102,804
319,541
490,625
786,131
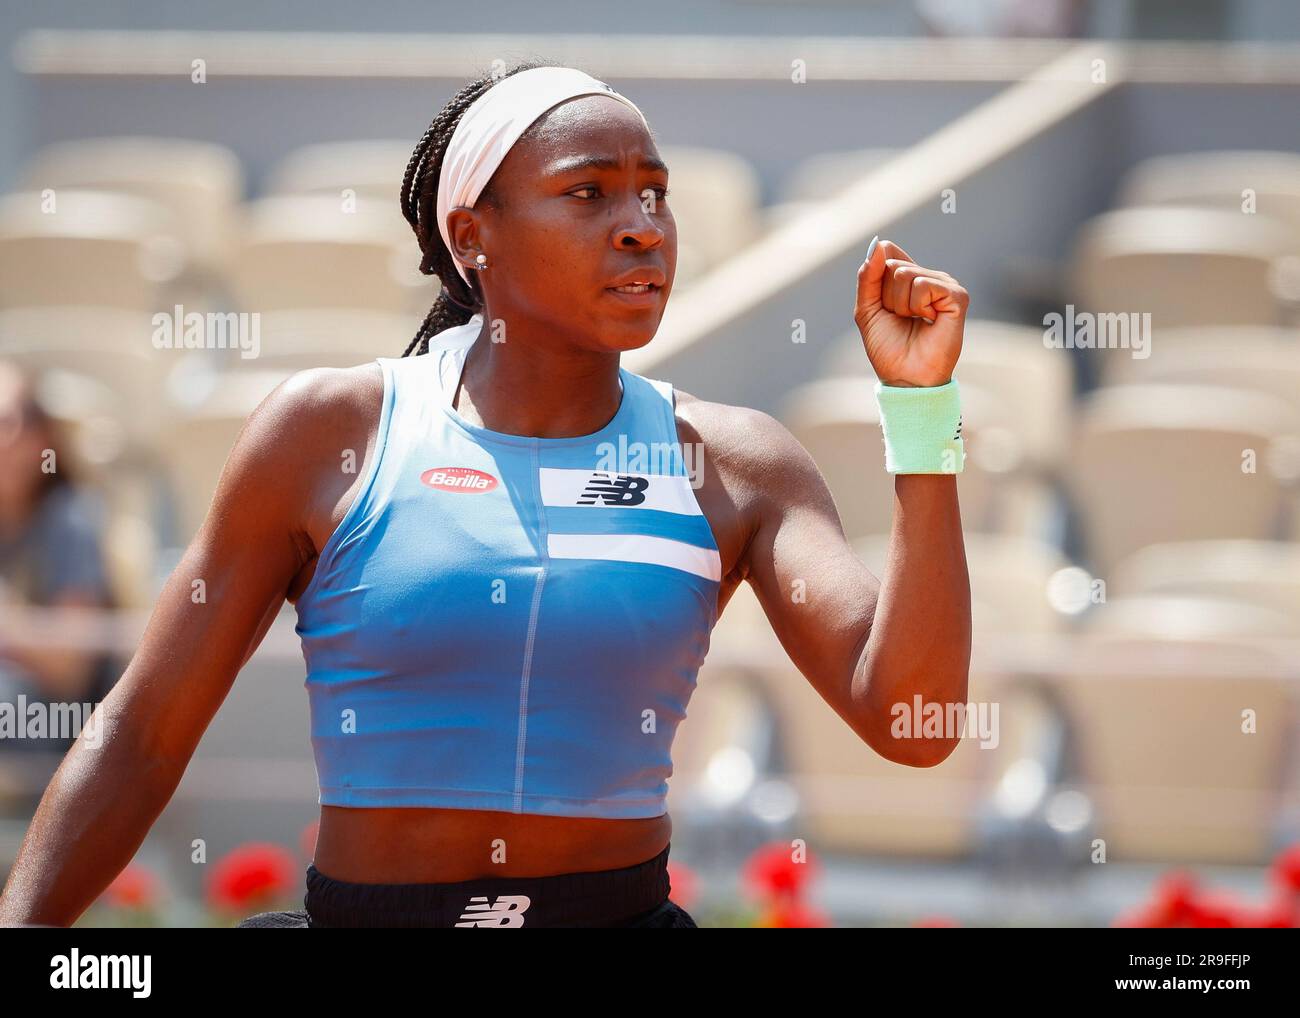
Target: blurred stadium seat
1240,356
1187,266
86,247
370,169
325,251
1155,463
198,182
1267,183
1160,727
1262,573
1187,617
292,340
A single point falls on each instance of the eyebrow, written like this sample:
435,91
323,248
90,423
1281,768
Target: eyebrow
575,163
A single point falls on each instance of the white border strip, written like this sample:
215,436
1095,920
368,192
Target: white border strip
456,55
144,52
660,551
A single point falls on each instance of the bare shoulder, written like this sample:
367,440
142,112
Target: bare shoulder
318,396
315,409
290,446
750,447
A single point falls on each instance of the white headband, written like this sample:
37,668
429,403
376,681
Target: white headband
494,122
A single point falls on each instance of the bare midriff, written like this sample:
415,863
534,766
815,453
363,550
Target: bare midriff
416,845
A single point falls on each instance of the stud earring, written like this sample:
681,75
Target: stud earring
481,261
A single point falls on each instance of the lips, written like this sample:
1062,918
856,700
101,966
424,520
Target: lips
643,297
635,280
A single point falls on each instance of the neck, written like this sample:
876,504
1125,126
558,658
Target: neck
532,386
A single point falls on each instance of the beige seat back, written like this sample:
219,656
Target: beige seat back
1172,773
1184,266
198,182
1155,463
92,248
312,251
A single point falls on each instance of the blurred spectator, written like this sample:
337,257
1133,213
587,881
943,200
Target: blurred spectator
50,557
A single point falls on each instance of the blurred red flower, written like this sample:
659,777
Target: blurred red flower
1170,904
251,875
1286,869
135,887
1218,910
1178,901
771,871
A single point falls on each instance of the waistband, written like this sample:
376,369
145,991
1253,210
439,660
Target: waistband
599,898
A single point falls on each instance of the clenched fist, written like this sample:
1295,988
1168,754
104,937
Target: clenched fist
911,318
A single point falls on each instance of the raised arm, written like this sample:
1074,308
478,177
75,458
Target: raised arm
210,616
868,645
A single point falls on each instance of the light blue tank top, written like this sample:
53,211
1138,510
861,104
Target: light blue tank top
509,623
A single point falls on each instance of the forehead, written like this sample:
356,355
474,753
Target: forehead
588,127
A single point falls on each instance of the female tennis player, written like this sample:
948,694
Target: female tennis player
504,605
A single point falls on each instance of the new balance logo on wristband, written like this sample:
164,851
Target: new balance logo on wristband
507,910
615,489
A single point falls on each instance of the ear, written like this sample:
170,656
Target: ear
463,229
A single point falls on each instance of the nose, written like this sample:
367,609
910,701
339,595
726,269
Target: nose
640,228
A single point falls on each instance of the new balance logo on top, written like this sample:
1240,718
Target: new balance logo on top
958,435
507,910
614,489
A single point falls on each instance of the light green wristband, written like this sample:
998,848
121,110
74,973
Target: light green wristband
922,428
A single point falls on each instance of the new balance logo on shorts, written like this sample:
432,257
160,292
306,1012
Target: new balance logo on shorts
507,910
614,489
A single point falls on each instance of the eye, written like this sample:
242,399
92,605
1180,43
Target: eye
661,192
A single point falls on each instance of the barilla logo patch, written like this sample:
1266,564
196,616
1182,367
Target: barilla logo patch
458,479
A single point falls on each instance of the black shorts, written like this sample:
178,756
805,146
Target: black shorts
633,897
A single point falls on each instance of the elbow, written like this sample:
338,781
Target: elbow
920,723
922,752
932,753
898,744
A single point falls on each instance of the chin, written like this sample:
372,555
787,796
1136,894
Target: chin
625,336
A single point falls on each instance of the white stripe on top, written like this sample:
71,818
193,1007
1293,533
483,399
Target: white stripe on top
637,548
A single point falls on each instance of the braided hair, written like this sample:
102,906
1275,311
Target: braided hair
458,300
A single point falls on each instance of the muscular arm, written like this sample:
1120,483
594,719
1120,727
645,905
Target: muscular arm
870,646
865,644
109,790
